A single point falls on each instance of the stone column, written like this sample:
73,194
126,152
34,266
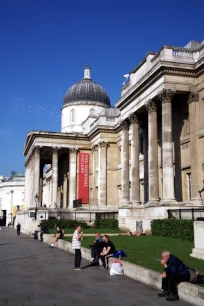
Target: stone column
65,192
125,195
102,188
153,153
37,173
54,176
145,154
135,173
193,120
72,176
167,150
11,204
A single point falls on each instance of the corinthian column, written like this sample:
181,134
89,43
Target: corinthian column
72,176
125,196
135,175
65,191
36,173
167,151
102,190
153,153
193,117
54,176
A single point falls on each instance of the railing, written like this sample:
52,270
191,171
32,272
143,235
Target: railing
182,53
186,213
83,216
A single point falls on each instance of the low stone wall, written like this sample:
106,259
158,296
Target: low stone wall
188,292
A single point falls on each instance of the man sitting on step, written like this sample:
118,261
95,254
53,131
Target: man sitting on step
174,273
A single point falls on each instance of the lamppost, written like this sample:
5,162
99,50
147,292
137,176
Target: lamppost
36,205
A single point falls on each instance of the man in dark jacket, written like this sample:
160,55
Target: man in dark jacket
174,273
18,227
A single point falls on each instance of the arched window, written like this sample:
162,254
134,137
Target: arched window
72,116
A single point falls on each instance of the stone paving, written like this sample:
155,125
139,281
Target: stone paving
32,274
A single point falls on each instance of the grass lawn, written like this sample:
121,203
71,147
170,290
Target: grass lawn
144,250
88,231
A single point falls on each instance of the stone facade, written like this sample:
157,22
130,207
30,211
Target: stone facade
146,153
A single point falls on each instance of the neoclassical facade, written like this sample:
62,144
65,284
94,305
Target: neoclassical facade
138,158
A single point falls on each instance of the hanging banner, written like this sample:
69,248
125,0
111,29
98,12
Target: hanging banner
83,178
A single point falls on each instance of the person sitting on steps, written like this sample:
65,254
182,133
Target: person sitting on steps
108,251
174,273
58,236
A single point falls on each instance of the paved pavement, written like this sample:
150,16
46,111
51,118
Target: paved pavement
32,274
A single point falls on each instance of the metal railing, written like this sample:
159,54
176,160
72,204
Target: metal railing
186,213
83,216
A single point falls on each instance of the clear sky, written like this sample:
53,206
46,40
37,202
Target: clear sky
45,45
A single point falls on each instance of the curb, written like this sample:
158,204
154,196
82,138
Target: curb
188,292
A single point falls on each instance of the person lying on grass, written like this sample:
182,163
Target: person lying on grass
131,234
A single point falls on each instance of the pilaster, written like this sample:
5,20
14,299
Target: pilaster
102,190
193,120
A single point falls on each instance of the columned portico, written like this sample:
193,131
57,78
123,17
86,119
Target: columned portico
135,180
125,198
54,177
153,153
72,176
167,151
193,119
36,172
102,190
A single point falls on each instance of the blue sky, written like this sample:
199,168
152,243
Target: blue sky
45,45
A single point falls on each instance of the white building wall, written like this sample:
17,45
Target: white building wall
70,123
7,201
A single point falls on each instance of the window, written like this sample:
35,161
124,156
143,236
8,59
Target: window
72,116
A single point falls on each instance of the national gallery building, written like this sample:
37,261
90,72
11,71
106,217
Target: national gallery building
137,159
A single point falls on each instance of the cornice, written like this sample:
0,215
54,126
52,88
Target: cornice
162,69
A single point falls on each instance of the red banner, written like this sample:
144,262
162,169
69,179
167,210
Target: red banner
83,178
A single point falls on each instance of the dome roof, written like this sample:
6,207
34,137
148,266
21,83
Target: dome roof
86,90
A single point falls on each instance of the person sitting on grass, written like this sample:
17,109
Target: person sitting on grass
58,236
132,234
108,251
96,249
174,273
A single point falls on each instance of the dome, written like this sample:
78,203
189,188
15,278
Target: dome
86,90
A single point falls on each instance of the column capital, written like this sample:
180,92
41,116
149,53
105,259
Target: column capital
73,150
151,106
125,125
134,118
55,149
37,149
102,144
166,95
193,97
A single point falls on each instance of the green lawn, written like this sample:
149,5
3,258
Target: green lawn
144,250
88,231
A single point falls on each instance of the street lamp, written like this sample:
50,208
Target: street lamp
36,205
